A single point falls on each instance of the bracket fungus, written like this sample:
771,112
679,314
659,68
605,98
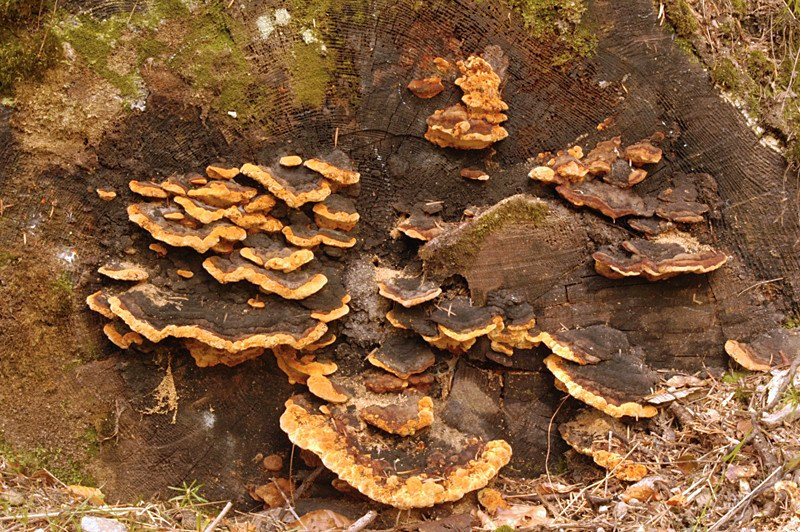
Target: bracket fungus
426,88
458,319
150,217
272,254
603,387
292,285
666,255
296,186
402,355
124,272
772,349
473,124
473,174
408,291
343,447
222,171
336,212
335,166
405,418
589,345
612,201
148,190
421,224
305,234
607,442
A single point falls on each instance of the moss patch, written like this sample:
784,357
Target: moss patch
311,74
452,254
27,46
726,74
215,66
559,20
67,470
681,17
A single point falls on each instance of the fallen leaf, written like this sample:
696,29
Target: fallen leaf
91,495
736,472
643,491
790,488
516,516
492,500
321,521
272,493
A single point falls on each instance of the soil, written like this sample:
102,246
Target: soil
65,379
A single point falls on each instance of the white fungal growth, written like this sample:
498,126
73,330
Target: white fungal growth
265,26
282,17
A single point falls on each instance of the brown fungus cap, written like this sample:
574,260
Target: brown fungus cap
335,166
569,168
650,226
452,127
405,418
643,152
589,345
481,86
148,190
303,233
263,203
461,321
616,386
600,159
680,202
623,175
426,88
606,441
666,255
206,356
420,225
223,193
106,194
402,355
608,199
338,446
474,174
255,222
773,349
306,366
203,212
121,336
98,302
272,254
150,217
124,271
322,387
292,285
336,212
222,171
157,314
408,291
382,382
417,319
296,186
330,303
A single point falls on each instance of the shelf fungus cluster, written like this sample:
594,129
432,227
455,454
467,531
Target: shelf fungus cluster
604,180
473,123
236,226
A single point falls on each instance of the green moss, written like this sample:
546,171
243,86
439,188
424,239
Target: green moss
740,8
680,15
792,322
725,74
311,74
561,20
734,376
214,64
61,294
760,67
7,257
27,461
27,46
452,255
95,41
504,528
